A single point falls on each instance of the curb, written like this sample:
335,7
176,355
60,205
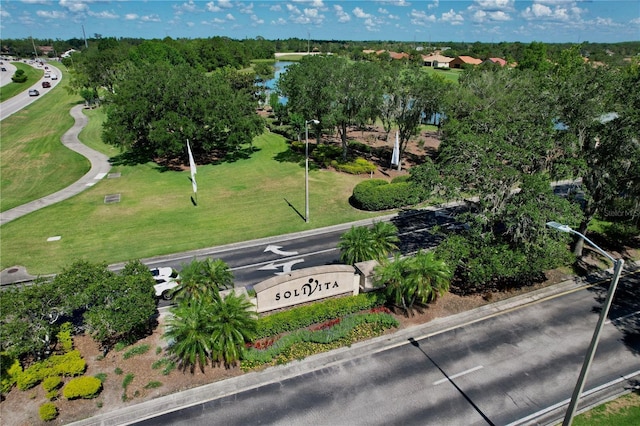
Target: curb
169,403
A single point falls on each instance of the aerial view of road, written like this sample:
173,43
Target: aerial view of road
507,369
22,99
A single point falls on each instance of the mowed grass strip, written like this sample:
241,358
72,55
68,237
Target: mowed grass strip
33,75
33,161
236,201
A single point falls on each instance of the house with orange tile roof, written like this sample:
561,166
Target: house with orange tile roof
462,61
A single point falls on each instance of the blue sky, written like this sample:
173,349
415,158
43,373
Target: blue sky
547,21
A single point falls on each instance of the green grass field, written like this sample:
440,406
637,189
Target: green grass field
12,89
251,198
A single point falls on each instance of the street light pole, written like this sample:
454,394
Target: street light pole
618,264
306,168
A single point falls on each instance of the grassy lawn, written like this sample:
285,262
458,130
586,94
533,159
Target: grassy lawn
237,201
624,411
12,89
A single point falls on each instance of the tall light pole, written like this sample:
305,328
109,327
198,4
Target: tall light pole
306,168
618,264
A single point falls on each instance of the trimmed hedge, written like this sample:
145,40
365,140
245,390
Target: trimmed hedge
9,374
86,387
378,194
304,316
48,411
69,364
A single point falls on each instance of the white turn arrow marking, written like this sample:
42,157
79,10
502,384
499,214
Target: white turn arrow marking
286,267
276,250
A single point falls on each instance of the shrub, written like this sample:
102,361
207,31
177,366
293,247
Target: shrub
11,369
127,380
51,383
356,167
378,194
137,350
304,316
101,376
118,371
85,387
153,385
324,153
48,411
65,339
69,364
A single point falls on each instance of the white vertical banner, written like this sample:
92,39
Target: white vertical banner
192,166
395,157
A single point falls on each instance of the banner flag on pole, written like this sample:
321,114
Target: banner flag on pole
192,166
395,157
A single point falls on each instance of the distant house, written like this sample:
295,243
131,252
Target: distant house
436,61
396,55
461,61
498,61
45,50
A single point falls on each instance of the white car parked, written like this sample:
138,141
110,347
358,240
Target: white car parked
166,280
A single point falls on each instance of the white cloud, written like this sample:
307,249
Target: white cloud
247,9
230,17
494,4
256,21
359,13
105,14
280,21
211,7
225,4
275,8
131,16
434,4
452,17
190,7
50,14
341,14
553,10
74,6
150,18
419,17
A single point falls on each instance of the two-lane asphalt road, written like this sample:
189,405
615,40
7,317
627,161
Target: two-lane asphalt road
21,100
518,367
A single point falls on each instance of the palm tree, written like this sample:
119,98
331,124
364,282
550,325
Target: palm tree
428,277
420,278
233,323
218,273
385,235
203,280
391,274
362,243
357,245
189,334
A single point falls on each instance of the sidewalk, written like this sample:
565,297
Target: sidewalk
100,166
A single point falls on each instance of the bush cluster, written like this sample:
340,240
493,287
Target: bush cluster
253,357
48,411
378,194
10,369
65,337
357,167
324,153
86,387
304,316
69,364
51,383
136,350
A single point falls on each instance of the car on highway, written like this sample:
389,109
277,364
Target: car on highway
166,280
45,84
33,92
54,76
47,75
4,69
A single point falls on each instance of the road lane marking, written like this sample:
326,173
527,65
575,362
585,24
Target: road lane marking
621,318
276,250
449,378
253,265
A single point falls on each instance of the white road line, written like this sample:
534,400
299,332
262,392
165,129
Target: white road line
253,265
566,401
621,318
446,379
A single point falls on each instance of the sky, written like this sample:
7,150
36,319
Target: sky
423,21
